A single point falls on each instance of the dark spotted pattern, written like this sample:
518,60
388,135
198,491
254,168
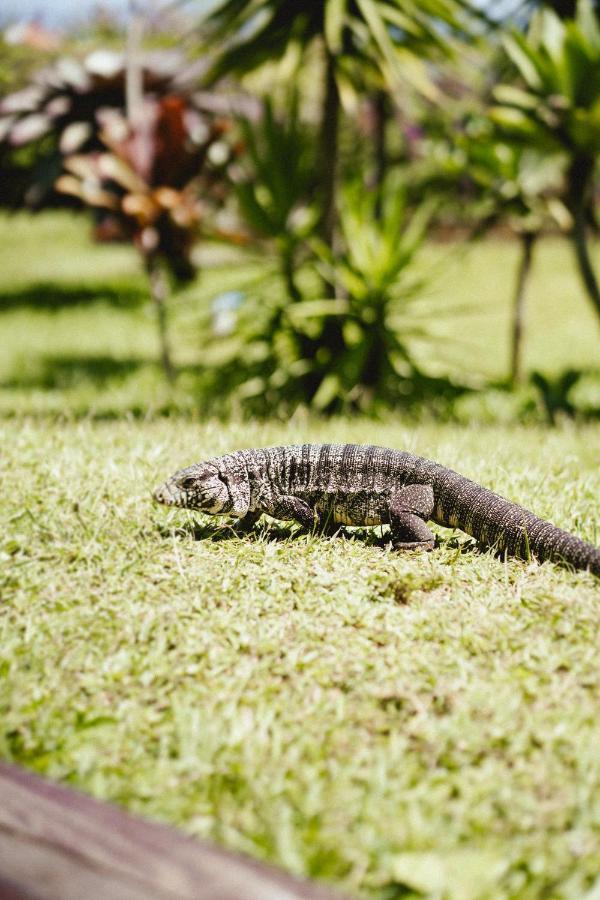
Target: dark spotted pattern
365,485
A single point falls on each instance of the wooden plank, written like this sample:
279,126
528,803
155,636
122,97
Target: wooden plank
11,891
59,844
39,872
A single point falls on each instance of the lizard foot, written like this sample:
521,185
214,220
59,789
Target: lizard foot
413,545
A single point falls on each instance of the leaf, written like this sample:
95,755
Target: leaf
515,121
587,22
381,36
416,227
552,32
112,167
30,128
88,192
513,96
83,165
335,16
328,391
26,100
405,22
456,875
73,136
522,56
254,213
254,387
414,70
319,308
582,69
140,207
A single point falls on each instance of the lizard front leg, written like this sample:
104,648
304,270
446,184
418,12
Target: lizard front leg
409,509
290,508
247,522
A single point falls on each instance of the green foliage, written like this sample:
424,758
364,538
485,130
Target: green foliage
391,38
282,350
516,184
485,178
559,62
280,155
374,269
274,192
555,393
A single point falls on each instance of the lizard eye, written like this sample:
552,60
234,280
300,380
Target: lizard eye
188,482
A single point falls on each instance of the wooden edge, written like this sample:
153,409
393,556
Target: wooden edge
11,891
59,844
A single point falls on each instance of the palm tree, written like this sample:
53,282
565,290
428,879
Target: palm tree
390,38
558,108
384,42
471,167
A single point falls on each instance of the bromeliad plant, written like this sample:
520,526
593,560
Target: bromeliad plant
56,115
151,182
156,181
285,330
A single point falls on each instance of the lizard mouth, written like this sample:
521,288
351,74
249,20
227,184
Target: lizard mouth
164,495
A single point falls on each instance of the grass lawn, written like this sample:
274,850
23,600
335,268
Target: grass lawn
398,725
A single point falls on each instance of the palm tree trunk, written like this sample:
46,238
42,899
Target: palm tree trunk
380,116
328,151
528,239
159,291
578,193
331,339
286,257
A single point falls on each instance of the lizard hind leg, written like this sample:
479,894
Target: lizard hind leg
409,509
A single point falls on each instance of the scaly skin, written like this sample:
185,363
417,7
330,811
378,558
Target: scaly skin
363,485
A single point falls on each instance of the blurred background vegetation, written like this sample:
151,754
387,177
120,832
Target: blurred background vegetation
264,206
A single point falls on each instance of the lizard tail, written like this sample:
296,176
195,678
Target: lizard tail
525,535
497,523
561,547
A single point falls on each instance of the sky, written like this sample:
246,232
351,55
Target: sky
57,13
54,13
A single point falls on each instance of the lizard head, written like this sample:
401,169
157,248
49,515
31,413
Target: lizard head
200,486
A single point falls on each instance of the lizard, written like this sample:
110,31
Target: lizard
354,484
